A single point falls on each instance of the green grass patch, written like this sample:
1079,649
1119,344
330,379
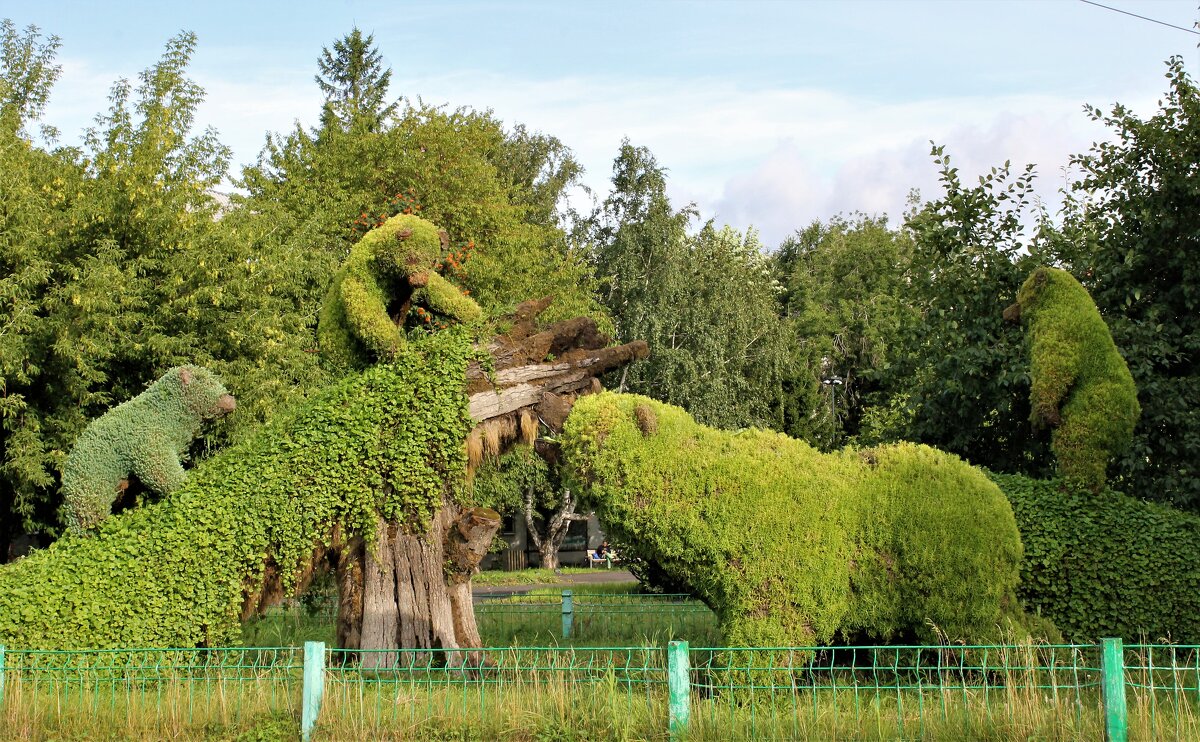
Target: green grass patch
530,576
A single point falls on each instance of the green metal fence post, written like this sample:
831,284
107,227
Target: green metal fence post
679,688
568,613
1112,683
314,687
1,674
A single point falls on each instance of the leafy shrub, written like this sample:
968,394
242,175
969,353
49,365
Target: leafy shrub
790,546
388,440
1106,564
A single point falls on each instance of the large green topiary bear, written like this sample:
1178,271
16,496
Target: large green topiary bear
388,271
1080,385
792,547
144,437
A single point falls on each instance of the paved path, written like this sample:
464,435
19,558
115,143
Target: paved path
568,581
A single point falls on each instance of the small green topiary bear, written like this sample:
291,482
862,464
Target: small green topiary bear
145,437
1080,385
389,270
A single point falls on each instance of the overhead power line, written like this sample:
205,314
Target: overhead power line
1144,18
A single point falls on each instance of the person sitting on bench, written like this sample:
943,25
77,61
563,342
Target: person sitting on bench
602,554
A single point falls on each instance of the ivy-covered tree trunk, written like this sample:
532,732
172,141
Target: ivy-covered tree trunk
412,590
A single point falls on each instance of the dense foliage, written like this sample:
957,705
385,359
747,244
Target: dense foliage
144,438
958,378
845,302
790,546
502,482
1080,385
1106,564
116,262
113,269
175,573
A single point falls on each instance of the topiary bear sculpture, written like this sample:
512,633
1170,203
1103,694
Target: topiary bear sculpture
794,547
389,270
1080,385
145,437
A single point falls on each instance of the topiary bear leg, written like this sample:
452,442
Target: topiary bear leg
367,316
445,298
88,504
160,470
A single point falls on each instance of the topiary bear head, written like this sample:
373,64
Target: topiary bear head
1030,294
203,393
406,245
632,427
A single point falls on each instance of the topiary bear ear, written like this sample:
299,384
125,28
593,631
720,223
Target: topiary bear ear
647,421
185,376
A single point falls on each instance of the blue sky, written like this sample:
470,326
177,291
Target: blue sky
768,114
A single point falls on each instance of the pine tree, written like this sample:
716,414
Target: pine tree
355,85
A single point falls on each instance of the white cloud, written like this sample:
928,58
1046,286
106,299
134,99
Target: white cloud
775,158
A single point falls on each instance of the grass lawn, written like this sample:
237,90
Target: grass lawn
530,576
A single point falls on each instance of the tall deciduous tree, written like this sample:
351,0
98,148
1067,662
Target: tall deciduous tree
706,303
116,268
845,301
37,189
495,190
523,483
960,380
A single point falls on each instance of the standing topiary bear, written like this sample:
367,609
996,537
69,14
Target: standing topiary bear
1080,385
145,437
791,546
389,270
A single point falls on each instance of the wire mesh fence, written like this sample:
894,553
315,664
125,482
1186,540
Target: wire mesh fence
144,692
494,693
906,692
1019,691
1163,689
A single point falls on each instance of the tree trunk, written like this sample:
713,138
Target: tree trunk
557,525
412,590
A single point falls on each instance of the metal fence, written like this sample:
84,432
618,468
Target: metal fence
151,693
1078,691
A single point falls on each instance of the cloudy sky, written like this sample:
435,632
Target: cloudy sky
767,114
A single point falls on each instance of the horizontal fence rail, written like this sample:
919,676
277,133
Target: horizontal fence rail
1072,691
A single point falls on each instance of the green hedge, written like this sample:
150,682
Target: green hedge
174,573
791,546
1106,564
